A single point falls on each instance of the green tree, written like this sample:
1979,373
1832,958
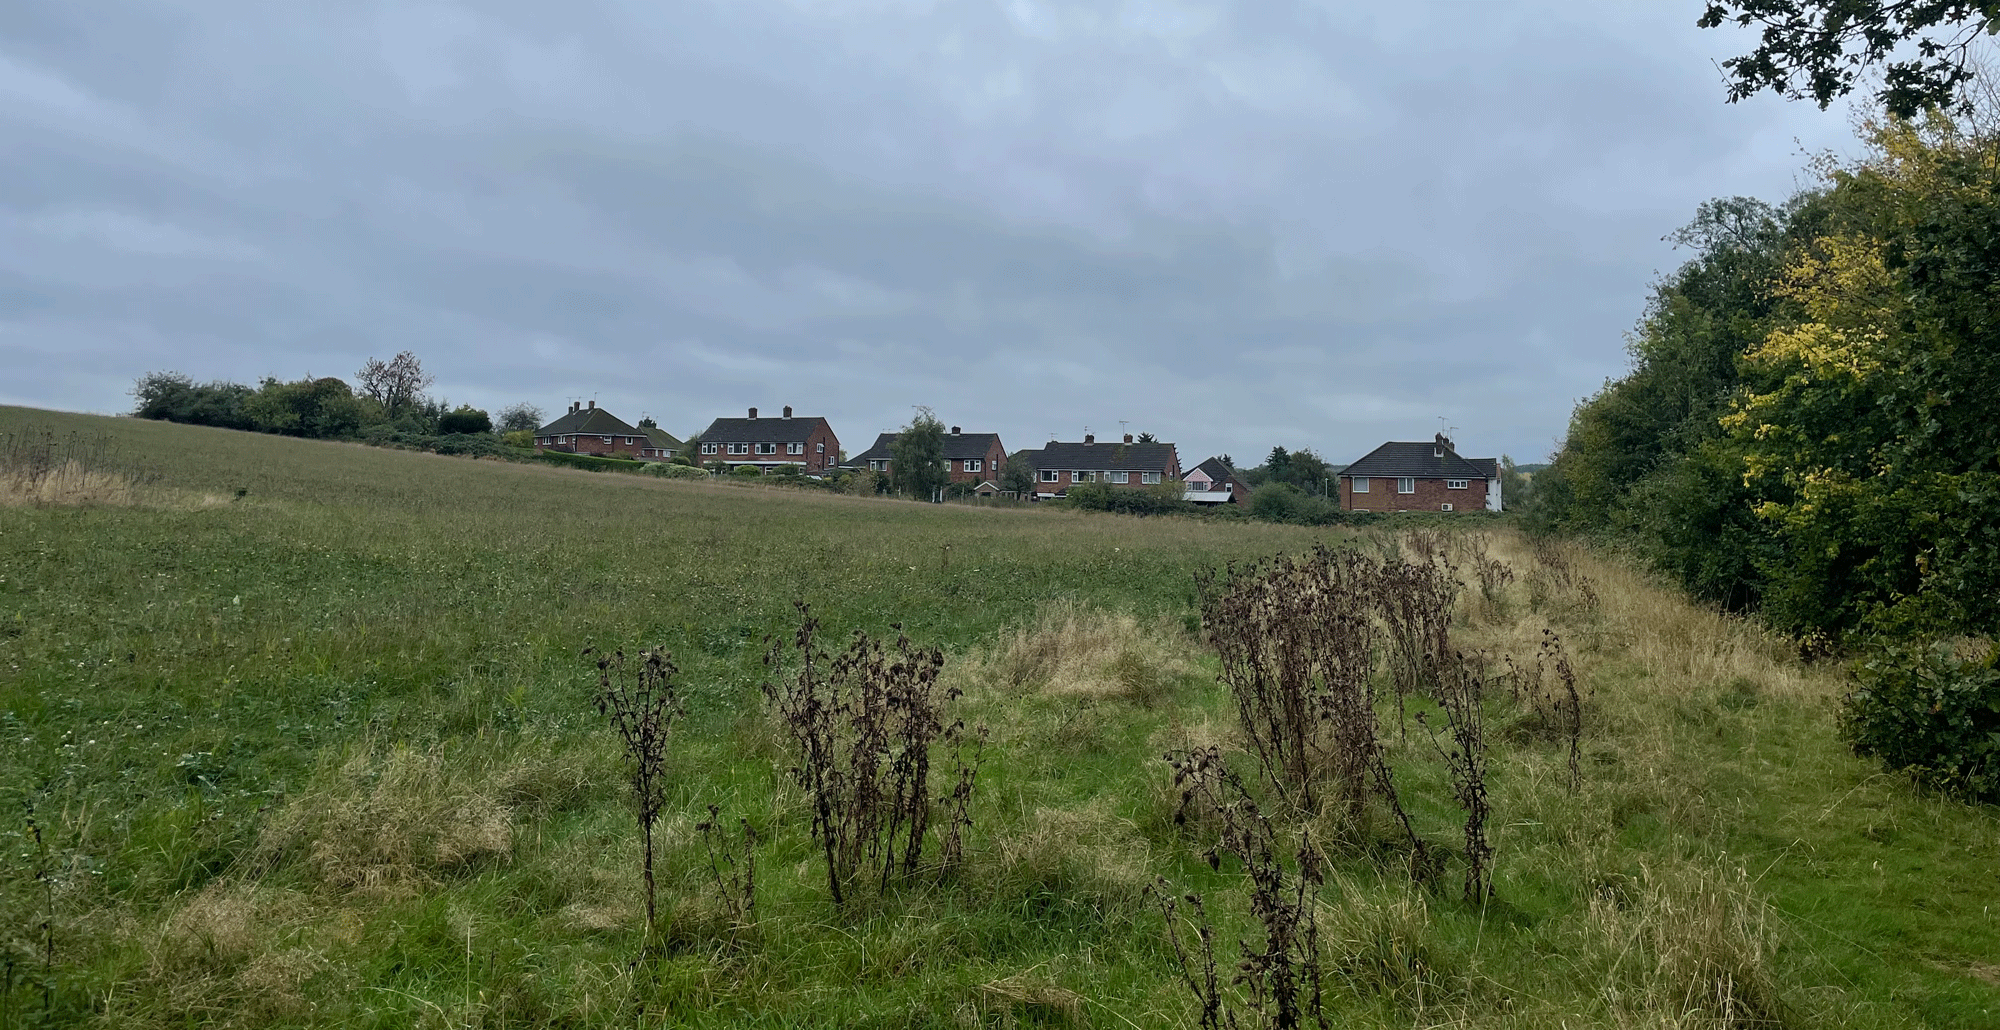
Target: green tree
464,420
522,417
1018,475
917,457
1819,49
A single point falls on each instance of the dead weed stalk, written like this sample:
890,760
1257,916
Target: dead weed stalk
863,727
641,703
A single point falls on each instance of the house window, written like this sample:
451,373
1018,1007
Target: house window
708,448
767,448
879,464
1121,477
1406,485
1454,484
1360,484
1149,477
795,448
1051,476
739,448
822,446
974,465
607,439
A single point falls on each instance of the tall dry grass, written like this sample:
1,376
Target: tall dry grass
1071,650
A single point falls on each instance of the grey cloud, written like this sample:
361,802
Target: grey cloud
1232,225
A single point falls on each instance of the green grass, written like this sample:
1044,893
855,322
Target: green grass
311,743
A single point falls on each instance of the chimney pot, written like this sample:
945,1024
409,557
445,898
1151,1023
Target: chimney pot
1089,439
788,411
753,412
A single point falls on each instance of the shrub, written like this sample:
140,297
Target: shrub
1931,711
667,470
465,419
522,438
746,471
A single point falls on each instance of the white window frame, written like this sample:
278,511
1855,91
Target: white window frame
1121,477
767,448
795,448
607,439
1149,478
974,465
1406,484
1360,484
878,464
739,448
1051,475
1456,484
710,448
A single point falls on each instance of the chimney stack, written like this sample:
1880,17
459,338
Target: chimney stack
753,412
574,405
1089,439
788,411
954,430
593,405
1128,437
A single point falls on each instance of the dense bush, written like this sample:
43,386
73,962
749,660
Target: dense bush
464,419
591,462
1125,501
1932,712
668,470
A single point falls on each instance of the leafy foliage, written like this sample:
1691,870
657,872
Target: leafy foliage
1816,49
1803,429
918,463
1932,712
465,419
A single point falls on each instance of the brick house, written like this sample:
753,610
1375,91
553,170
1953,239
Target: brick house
1059,466
1420,477
660,444
769,443
968,457
1213,482
592,430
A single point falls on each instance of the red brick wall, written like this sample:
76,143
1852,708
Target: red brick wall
595,445
1431,495
995,455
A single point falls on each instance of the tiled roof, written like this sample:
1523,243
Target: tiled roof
957,447
1419,460
796,429
660,439
1216,471
589,422
1102,457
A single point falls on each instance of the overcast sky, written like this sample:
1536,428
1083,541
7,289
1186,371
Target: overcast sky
1232,225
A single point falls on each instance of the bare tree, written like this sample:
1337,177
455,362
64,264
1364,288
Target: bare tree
394,383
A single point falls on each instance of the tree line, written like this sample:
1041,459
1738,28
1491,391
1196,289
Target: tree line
386,402
1806,428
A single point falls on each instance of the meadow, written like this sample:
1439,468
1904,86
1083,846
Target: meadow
301,734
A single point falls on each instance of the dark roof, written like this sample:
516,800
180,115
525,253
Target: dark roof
1216,471
957,447
762,430
1490,467
1418,460
1096,457
660,439
589,422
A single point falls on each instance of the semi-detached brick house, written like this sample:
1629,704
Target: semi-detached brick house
1430,476
969,457
592,430
768,443
1059,466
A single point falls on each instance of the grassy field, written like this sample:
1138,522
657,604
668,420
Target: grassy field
307,740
